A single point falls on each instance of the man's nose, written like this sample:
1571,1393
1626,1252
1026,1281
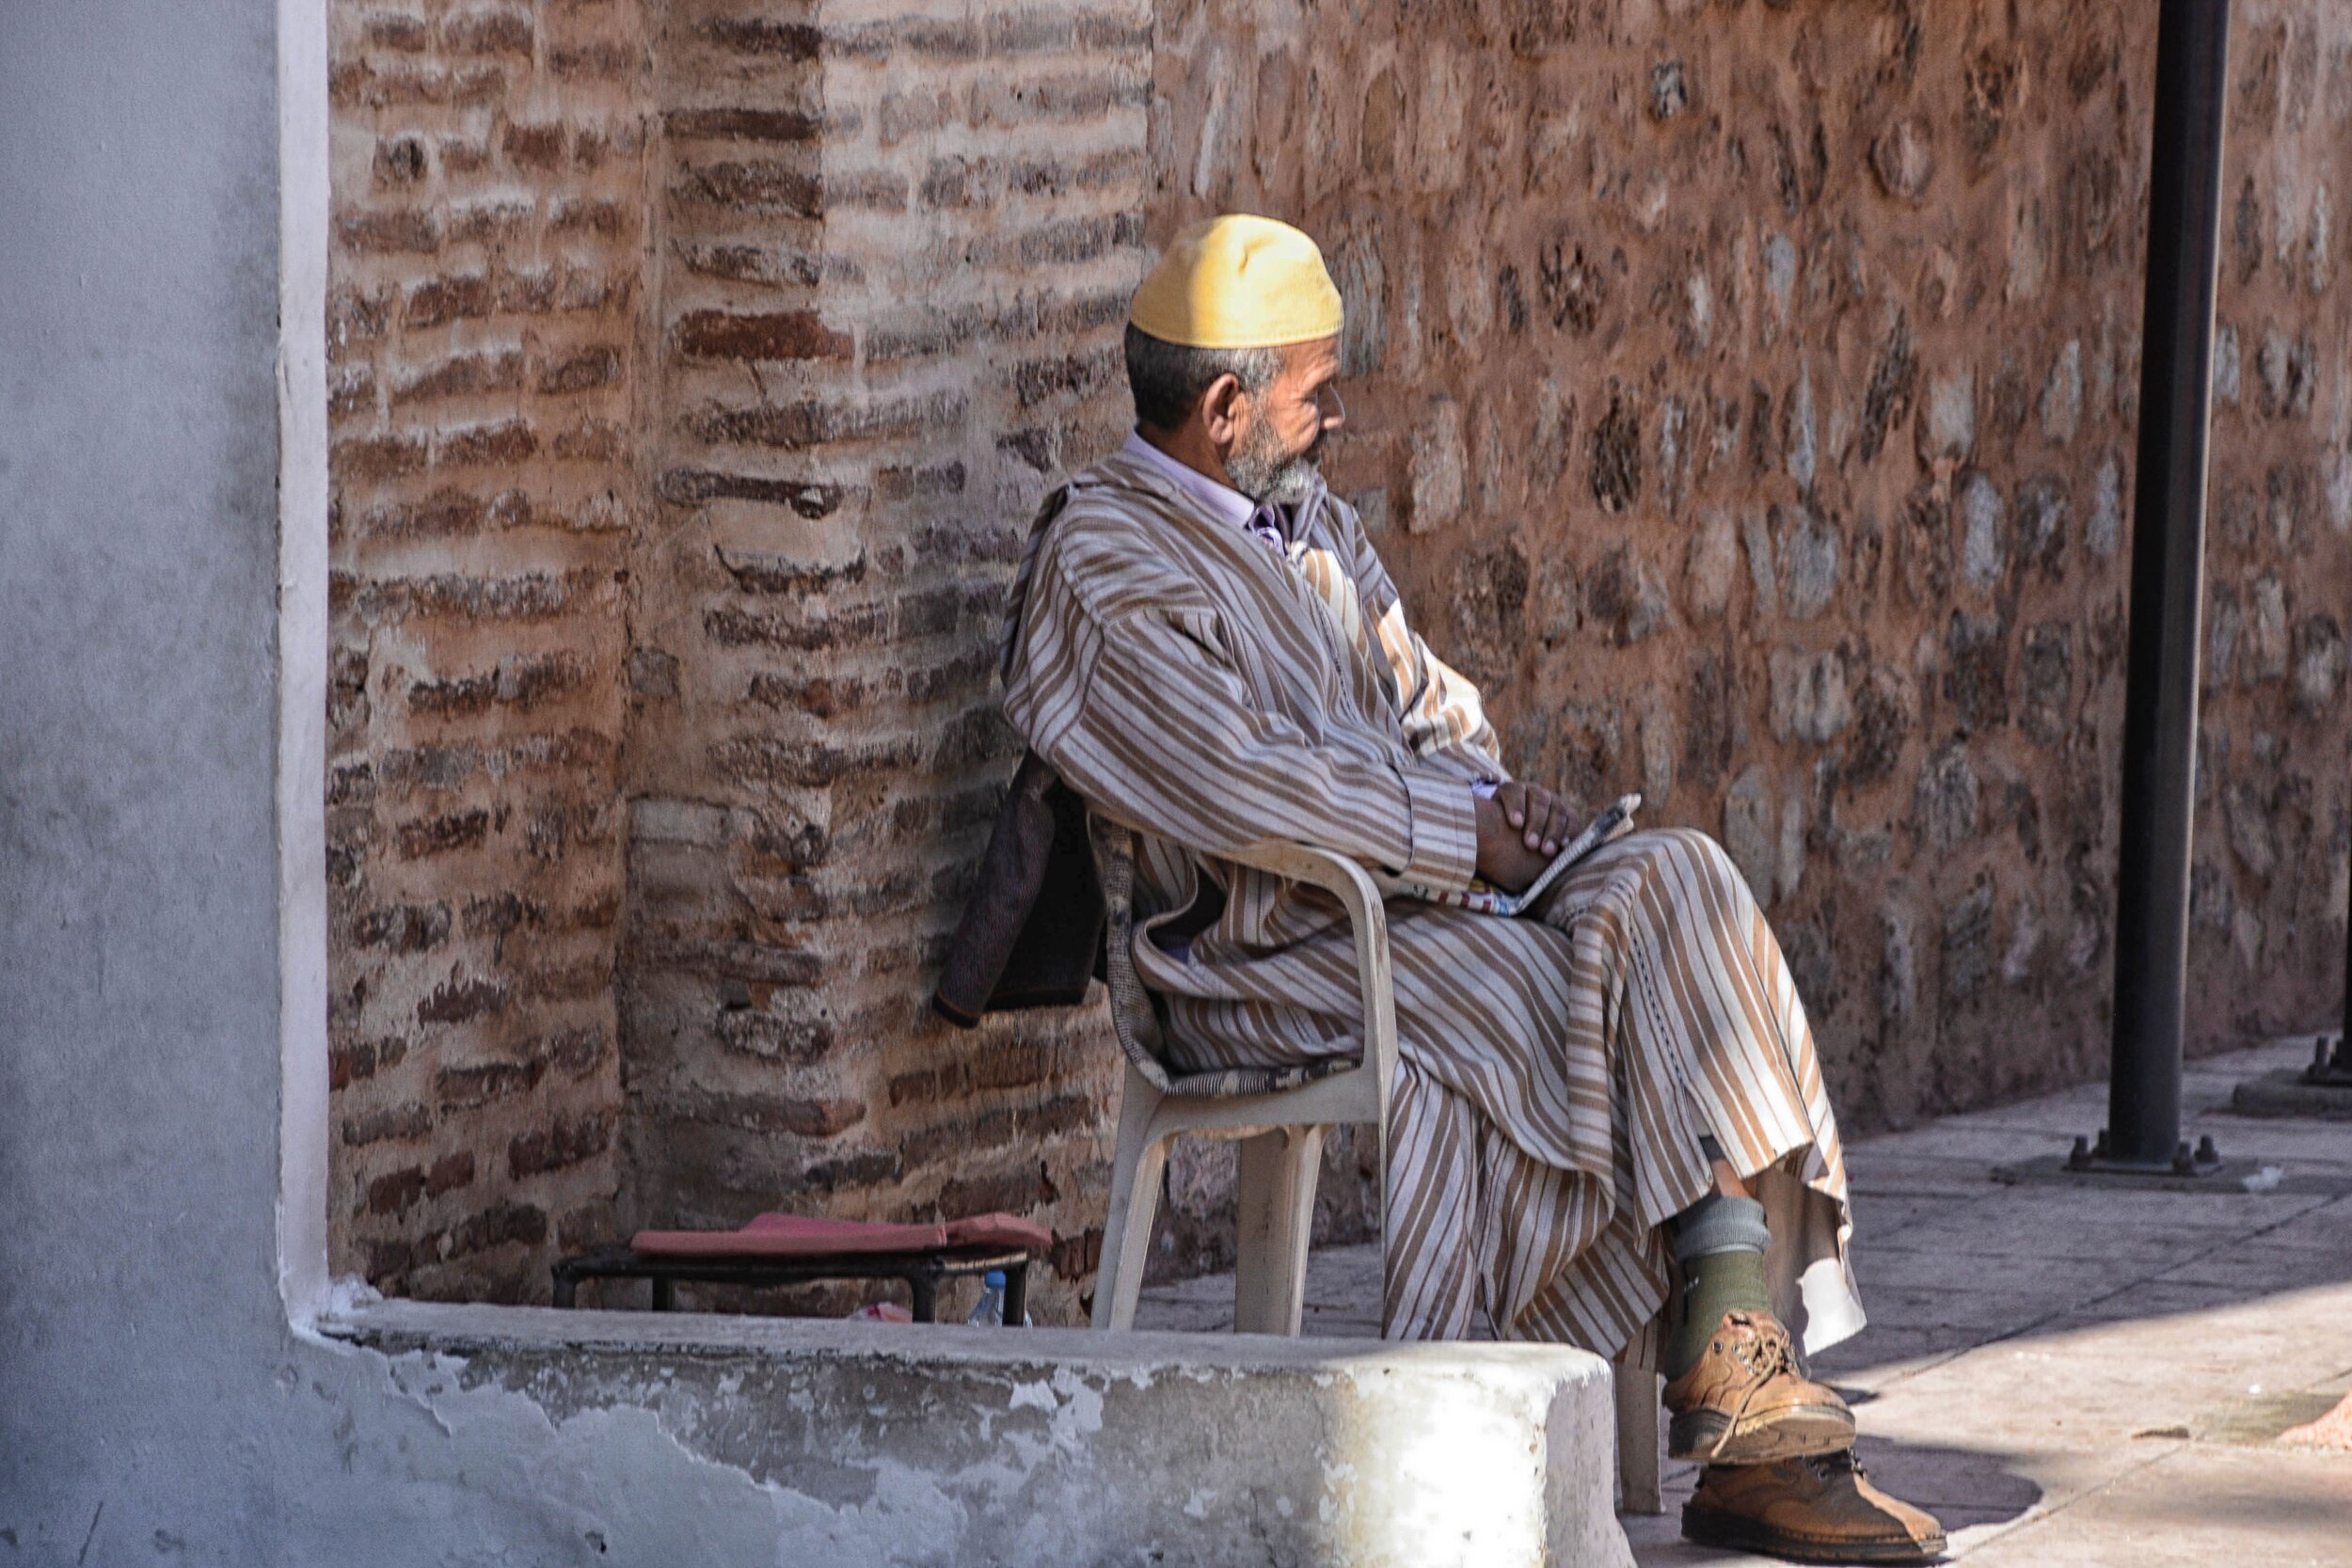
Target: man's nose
1334,410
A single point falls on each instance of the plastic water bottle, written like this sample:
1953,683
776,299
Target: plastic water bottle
990,1313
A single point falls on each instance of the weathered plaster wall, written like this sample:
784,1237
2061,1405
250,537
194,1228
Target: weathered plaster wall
1745,393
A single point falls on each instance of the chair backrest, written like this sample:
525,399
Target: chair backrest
1135,1017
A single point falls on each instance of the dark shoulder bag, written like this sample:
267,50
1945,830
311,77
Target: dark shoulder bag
1032,934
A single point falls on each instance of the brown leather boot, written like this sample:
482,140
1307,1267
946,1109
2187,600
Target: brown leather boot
1818,1509
1745,1403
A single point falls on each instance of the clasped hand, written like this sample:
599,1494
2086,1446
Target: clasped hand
1520,831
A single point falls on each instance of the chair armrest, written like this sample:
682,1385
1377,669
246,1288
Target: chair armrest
1360,895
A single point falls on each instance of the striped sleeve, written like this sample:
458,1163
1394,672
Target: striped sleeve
1441,711
1142,713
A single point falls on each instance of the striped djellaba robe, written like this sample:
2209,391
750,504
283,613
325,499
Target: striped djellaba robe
1556,1076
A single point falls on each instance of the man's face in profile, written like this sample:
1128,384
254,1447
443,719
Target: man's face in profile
1282,442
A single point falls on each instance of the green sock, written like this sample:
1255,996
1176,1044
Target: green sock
1720,1244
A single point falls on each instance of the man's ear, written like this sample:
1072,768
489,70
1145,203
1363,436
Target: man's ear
1225,411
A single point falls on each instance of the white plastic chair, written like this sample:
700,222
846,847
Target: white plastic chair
1281,1118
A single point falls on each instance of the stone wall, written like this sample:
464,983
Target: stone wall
1744,394
2274,814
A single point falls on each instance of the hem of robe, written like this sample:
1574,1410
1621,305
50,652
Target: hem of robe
1808,1265
1810,1273
1803,1190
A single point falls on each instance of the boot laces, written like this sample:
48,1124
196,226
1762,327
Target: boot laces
1767,1354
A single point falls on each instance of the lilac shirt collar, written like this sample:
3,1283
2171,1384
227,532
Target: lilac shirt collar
1226,503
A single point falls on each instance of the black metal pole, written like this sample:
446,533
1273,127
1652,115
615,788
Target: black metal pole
2168,579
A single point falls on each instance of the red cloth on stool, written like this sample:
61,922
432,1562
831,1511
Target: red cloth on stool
999,1230
802,1236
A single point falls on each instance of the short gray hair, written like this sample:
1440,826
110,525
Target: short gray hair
1169,378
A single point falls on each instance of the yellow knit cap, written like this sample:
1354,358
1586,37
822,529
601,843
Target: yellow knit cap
1239,281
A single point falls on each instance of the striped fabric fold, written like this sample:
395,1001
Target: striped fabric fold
1557,1075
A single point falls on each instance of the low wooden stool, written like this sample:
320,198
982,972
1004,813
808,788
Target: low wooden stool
786,1249
922,1271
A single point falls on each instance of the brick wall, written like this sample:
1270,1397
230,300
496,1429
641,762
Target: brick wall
1747,395
894,249
486,290
1742,392
698,365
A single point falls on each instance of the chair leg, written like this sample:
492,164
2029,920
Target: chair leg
1279,1171
1638,1448
1134,1199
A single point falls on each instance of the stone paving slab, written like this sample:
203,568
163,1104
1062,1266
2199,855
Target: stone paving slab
2190,1506
2070,1377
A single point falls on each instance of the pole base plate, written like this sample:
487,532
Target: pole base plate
2200,1168
2322,1090
2292,1092
2059,1172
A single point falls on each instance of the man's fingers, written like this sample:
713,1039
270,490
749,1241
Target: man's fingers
1543,821
1538,809
1558,825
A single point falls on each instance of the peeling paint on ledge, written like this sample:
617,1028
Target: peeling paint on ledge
773,1440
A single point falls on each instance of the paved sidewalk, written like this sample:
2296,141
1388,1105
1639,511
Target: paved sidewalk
2070,1377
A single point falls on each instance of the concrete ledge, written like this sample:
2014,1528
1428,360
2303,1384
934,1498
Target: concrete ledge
885,1444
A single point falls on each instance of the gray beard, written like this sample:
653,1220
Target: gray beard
1269,476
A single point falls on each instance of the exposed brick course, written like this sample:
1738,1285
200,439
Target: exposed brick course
659,438
839,521
488,199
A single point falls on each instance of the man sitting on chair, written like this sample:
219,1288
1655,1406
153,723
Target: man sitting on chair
1594,1111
